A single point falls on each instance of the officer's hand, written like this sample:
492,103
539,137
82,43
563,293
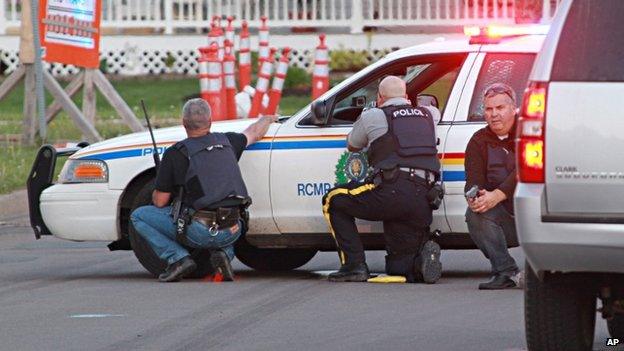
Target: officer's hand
487,200
271,118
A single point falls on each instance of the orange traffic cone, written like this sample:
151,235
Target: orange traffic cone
262,85
275,94
210,70
230,82
244,58
263,42
320,75
229,31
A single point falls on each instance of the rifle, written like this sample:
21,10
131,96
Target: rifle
149,127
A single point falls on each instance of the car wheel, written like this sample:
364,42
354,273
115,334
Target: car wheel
144,253
559,313
616,326
272,259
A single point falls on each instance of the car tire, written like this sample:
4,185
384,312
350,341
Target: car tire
616,326
272,259
144,253
560,314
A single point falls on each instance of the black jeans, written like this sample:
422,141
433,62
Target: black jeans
402,206
491,231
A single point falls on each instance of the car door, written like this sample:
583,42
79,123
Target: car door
307,160
512,68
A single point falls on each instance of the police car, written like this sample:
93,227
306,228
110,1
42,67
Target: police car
297,162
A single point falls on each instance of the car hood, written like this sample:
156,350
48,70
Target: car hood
163,136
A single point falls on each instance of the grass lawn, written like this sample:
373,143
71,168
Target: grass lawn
164,99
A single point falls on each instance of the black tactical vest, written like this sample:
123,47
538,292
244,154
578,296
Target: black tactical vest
500,163
213,173
409,142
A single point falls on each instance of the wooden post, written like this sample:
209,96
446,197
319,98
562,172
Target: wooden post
11,81
71,89
72,110
113,98
27,59
30,105
89,96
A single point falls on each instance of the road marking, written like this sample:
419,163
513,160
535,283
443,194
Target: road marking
96,315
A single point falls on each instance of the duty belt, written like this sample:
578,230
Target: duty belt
221,218
429,177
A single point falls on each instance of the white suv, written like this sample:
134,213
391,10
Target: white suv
570,197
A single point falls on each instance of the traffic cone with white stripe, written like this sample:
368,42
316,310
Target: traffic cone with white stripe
262,84
275,94
263,42
229,32
203,73
230,82
244,58
210,77
320,75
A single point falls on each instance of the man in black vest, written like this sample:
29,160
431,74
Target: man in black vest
402,150
490,165
205,166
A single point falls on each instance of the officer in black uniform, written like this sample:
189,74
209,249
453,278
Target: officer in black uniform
204,169
402,150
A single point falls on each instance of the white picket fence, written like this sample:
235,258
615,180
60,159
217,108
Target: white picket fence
173,15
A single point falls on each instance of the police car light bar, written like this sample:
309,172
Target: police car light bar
493,34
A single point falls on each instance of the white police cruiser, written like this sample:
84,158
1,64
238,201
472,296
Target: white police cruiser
297,162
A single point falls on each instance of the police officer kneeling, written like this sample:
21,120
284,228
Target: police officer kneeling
402,150
203,169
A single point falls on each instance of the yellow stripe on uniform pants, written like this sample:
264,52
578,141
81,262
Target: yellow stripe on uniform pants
343,191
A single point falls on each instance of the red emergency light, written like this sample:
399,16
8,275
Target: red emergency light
493,34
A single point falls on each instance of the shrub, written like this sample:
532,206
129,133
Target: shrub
342,60
297,78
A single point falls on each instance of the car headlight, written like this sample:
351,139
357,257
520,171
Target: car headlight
84,171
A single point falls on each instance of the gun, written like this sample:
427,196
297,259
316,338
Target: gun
149,127
472,192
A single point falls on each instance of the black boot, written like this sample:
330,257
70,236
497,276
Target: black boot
430,266
221,263
177,270
497,282
354,272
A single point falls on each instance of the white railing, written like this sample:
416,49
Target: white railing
173,15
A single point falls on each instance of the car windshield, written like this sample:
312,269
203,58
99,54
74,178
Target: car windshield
338,87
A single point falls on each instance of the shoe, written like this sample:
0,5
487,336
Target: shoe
355,272
430,264
177,270
519,279
497,282
221,264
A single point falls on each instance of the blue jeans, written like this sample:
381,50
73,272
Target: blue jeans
156,226
491,231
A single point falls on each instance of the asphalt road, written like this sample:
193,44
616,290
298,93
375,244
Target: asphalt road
59,295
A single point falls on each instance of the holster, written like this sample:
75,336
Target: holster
435,195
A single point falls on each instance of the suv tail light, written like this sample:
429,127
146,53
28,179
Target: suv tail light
530,134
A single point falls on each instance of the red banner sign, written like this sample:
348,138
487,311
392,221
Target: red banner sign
70,31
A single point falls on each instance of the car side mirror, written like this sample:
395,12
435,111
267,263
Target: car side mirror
319,112
358,101
427,100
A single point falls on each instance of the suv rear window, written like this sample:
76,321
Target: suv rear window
511,69
591,45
